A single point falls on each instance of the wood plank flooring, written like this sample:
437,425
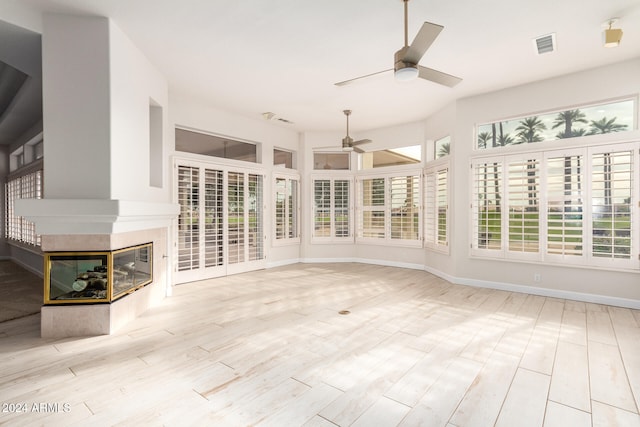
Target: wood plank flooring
21,292
270,348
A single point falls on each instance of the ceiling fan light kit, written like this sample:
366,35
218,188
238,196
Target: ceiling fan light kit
404,71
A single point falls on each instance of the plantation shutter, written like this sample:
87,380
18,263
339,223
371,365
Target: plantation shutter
292,209
322,208
565,206
281,208
612,216
372,223
442,207
486,206
405,204
523,199
341,208
188,220
255,218
236,217
436,204
214,217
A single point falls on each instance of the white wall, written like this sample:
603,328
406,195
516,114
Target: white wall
134,84
76,107
590,86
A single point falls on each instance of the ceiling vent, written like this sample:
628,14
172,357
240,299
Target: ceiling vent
545,44
272,116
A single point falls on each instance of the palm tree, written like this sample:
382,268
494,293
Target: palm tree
605,126
574,133
505,140
528,130
567,119
445,149
483,138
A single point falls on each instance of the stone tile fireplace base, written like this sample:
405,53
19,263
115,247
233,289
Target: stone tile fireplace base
61,321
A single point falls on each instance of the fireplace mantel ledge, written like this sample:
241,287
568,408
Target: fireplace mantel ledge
95,216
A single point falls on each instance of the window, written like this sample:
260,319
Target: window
331,161
611,193
523,202
587,120
389,209
286,228
215,146
332,210
442,147
391,157
436,215
485,207
283,158
574,206
26,184
373,208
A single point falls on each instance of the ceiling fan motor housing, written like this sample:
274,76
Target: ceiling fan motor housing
347,143
404,70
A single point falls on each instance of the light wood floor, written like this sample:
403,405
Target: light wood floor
270,348
21,292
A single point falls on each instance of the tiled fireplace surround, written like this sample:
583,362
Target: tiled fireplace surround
99,319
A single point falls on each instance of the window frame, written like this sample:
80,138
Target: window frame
388,239
558,141
18,230
432,203
332,238
586,179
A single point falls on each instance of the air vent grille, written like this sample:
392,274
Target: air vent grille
545,44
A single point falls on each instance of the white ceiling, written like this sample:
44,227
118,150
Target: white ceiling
284,56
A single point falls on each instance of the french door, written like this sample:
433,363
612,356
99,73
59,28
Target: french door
220,228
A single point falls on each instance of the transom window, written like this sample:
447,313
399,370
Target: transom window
580,121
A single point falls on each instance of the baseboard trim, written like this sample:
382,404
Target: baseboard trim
553,293
509,287
26,267
364,261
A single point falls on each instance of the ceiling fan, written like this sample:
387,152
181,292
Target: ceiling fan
348,144
406,60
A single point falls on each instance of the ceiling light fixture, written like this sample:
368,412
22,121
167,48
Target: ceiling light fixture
612,36
406,73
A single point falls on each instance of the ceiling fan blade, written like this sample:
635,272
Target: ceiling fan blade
362,141
438,76
425,37
346,82
328,148
358,150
